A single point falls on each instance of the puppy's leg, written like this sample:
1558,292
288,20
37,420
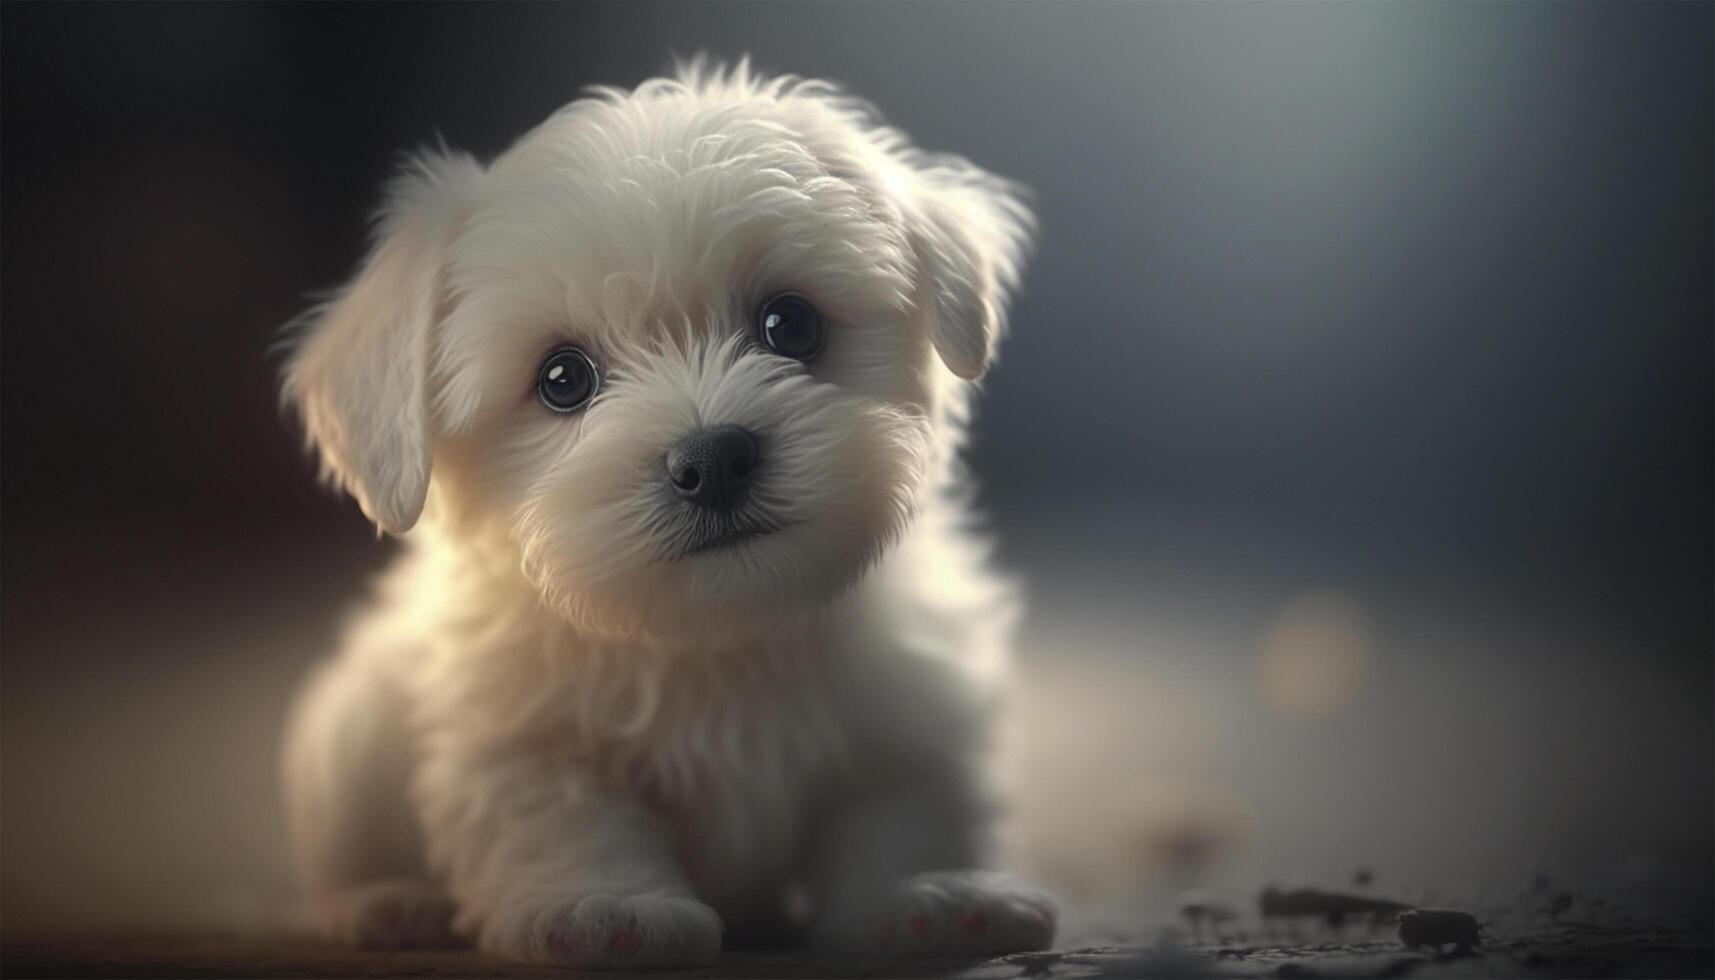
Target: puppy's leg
551,868
395,913
893,877
346,770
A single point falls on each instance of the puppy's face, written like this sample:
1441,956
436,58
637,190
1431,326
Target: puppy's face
687,351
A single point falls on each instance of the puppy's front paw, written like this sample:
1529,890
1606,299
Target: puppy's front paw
605,931
956,913
398,914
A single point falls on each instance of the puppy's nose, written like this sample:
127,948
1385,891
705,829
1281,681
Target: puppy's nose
713,468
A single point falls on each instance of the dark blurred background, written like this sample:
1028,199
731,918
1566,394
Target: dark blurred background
1354,433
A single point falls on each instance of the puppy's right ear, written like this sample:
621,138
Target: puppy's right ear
358,373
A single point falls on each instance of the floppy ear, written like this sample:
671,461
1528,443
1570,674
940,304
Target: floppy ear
970,232
358,373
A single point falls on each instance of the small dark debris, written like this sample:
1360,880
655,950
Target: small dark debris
1199,909
1439,927
1332,907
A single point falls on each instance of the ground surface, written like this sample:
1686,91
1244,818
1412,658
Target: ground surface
1646,934
1569,954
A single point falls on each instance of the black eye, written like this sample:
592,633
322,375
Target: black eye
567,381
791,327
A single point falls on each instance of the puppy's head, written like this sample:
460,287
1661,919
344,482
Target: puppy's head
688,355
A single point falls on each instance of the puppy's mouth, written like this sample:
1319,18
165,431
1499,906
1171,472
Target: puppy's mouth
719,535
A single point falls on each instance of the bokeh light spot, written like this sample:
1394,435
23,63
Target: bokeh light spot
1314,655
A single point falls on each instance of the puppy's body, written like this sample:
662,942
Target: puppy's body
588,722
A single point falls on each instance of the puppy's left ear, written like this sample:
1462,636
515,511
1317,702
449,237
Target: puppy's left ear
971,232
359,373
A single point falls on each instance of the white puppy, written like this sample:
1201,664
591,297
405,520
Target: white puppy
688,623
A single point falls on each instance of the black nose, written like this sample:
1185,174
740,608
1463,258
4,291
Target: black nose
713,468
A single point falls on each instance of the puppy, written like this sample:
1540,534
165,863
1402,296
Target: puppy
687,632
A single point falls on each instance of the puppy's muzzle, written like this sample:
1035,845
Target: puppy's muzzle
714,468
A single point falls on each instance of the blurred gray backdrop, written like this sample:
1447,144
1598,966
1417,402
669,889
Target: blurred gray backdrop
1354,432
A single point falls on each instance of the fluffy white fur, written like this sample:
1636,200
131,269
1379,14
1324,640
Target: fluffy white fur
550,738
